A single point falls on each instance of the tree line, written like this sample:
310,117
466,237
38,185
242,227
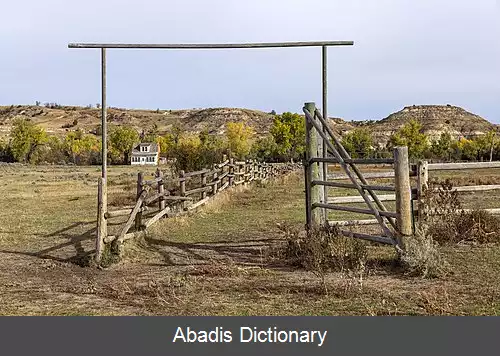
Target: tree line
30,143
360,144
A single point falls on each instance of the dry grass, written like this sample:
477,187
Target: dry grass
212,263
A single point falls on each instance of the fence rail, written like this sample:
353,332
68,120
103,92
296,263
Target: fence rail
186,192
423,168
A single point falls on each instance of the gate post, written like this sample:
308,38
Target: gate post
313,192
403,194
422,185
102,228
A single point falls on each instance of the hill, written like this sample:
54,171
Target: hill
58,120
435,119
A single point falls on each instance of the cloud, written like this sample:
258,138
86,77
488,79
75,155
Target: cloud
406,52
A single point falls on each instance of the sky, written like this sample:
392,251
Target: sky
405,52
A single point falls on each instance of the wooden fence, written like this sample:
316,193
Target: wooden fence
421,172
159,198
423,168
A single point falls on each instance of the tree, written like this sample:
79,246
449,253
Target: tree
411,135
264,149
288,131
443,147
122,140
486,144
26,138
358,143
239,137
82,149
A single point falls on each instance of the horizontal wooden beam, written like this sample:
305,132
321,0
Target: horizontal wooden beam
354,160
199,190
165,196
196,173
122,212
353,222
354,209
352,186
379,239
462,165
359,199
210,45
474,188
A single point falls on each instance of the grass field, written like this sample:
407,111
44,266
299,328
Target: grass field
211,263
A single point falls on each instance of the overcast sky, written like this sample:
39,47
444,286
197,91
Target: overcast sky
406,52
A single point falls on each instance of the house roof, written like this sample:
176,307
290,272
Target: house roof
154,148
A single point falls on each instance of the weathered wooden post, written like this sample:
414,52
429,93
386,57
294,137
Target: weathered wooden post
182,188
313,216
240,176
203,185
101,219
403,194
422,186
313,172
215,185
102,191
231,171
161,189
140,183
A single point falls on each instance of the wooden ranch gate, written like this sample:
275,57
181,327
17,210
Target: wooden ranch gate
324,148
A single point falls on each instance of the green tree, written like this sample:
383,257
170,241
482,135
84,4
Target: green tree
122,140
486,144
264,149
239,138
26,138
443,147
288,131
411,135
358,143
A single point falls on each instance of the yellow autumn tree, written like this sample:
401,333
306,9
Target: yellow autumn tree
239,138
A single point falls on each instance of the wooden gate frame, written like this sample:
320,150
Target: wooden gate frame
319,146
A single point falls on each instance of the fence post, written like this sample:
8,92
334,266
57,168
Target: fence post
214,167
161,188
422,186
138,217
182,188
203,185
312,171
101,219
231,171
403,194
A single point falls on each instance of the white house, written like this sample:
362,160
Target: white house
145,153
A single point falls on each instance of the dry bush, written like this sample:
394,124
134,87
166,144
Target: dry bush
322,250
422,257
122,199
447,221
325,250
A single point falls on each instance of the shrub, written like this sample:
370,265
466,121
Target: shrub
449,223
323,250
421,256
